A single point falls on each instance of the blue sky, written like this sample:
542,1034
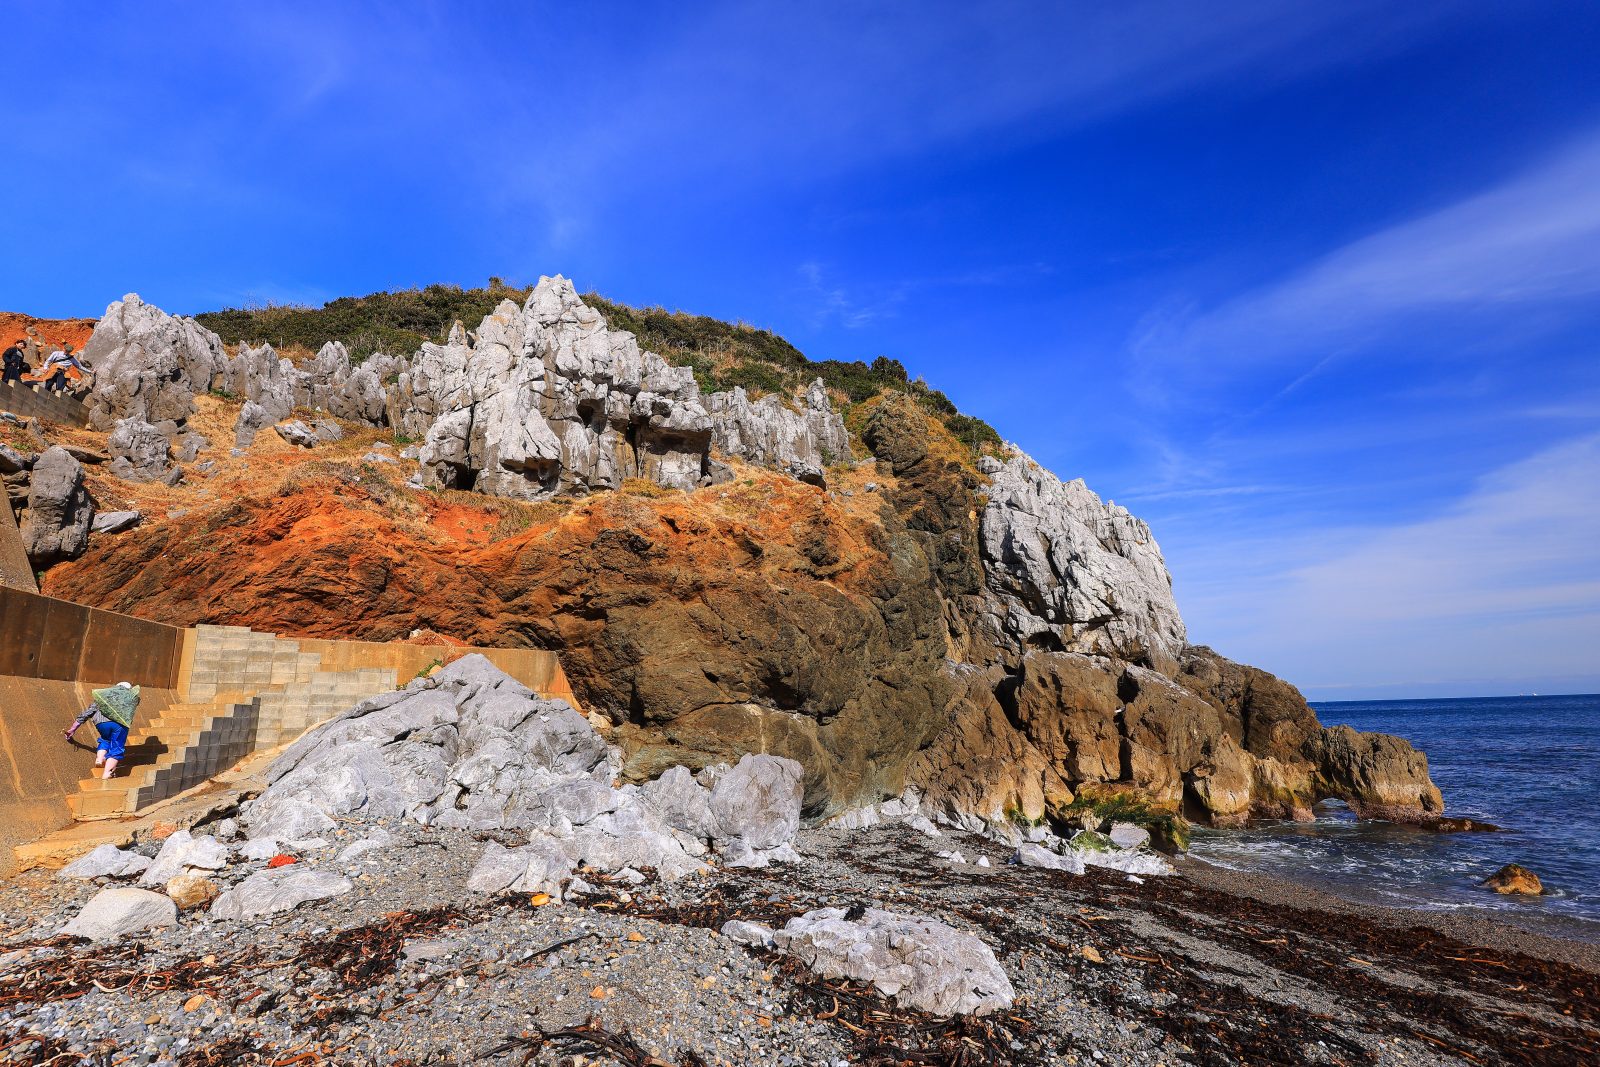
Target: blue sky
1314,288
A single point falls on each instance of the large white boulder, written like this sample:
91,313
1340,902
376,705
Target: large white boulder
115,913
920,962
756,810
270,892
149,365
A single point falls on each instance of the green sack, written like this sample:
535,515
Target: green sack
118,704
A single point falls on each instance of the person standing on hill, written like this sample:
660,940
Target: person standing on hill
14,364
116,706
54,371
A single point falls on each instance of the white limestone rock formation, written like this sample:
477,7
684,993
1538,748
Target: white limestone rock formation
149,365
772,433
470,748
1066,572
331,383
546,399
56,526
266,382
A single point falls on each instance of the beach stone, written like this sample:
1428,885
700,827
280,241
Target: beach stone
106,861
110,522
540,866
920,962
272,892
115,913
1514,880
192,890
747,933
377,840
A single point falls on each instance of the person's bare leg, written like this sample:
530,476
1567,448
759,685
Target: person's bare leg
111,768
100,757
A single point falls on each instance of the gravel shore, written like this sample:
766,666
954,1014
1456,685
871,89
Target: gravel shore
1209,967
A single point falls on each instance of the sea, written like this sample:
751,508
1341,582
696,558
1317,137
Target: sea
1529,764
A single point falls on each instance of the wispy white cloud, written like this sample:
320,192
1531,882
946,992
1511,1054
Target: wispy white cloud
1533,240
828,301
1505,582
732,94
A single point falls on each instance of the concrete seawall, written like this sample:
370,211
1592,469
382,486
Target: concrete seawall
199,686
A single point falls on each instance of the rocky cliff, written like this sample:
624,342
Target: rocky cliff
885,608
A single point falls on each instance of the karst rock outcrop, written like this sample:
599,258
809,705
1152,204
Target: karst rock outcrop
56,525
1002,641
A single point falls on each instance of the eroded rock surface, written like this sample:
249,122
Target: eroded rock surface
1065,571
60,512
149,365
772,433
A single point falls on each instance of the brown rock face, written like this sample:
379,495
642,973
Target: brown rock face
1265,714
1026,742
1515,880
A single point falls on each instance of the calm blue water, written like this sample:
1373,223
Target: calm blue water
1529,764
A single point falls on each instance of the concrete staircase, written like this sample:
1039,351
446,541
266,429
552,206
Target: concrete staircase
243,691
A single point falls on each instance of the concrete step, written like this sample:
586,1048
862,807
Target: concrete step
100,804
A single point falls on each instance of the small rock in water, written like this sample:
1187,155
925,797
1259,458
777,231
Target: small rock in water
1514,879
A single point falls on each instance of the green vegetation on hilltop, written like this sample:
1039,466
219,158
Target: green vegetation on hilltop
397,322
722,354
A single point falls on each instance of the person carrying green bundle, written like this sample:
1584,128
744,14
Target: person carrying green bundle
116,707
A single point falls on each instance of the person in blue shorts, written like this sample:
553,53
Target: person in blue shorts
115,707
